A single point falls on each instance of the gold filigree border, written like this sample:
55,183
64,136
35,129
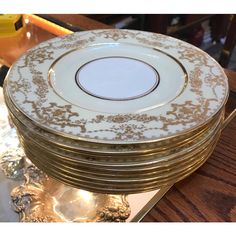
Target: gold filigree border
127,127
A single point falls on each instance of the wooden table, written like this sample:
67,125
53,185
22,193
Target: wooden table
209,194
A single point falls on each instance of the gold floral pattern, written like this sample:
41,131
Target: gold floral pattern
155,40
24,86
214,82
115,34
42,87
58,115
203,72
194,55
196,82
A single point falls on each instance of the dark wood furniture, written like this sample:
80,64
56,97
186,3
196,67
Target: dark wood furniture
207,195
159,23
229,43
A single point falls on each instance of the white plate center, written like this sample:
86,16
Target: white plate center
117,78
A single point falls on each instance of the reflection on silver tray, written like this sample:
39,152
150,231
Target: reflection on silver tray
43,199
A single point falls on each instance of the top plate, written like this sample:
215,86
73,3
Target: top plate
117,86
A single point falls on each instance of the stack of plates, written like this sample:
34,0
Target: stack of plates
117,111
